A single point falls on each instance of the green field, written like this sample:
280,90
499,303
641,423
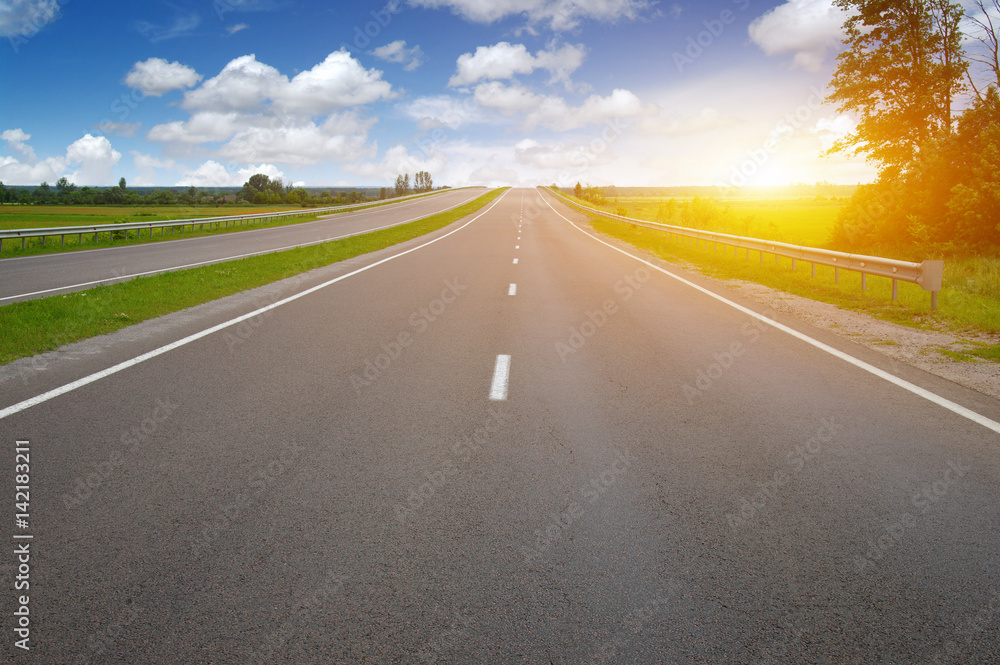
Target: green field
32,217
34,326
795,220
969,300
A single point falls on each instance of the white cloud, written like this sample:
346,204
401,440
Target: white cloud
214,174
25,18
96,158
341,137
233,29
245,84
146,166
807,28
337,82
553,112
156,76
396,52
444,111
398,160
505,60
558,14
207,127
18,141
126,129
560,156
183,25
508,99
707,119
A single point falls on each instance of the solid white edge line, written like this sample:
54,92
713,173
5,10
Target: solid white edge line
501,376
79,383
871,369
111,280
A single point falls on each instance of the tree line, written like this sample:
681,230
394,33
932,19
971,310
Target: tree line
259,189
902,74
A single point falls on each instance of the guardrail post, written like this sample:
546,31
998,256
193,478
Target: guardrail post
62,242
895,291
43,241
814,270
836,275
793,265
864,281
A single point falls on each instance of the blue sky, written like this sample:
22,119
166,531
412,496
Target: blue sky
516,92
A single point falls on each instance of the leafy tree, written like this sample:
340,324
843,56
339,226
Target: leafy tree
121,183
899,74
402,185
578,190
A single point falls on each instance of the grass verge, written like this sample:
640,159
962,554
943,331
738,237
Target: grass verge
959,308
102,215
35,326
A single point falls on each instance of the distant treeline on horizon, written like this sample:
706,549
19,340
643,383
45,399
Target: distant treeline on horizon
718,191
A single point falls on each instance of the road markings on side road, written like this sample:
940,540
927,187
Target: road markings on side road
512,291
501,376
837,353
120,278
114,369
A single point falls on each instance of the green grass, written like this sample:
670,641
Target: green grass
35,326
799,221
959,307
24,217
41,216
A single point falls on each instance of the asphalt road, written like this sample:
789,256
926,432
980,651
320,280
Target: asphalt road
24,278
662,477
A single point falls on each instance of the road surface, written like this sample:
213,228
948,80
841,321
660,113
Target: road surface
24,278
351,476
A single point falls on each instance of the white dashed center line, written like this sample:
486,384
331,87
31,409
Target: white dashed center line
501,375
512,291
515,260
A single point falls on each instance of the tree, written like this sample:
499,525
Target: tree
990,41
64,187
900,72
578,190
402,185
422,182
121,183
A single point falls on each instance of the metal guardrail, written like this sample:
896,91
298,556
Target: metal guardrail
63,231
929,275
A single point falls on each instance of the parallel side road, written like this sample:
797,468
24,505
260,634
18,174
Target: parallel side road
663,478
23,278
